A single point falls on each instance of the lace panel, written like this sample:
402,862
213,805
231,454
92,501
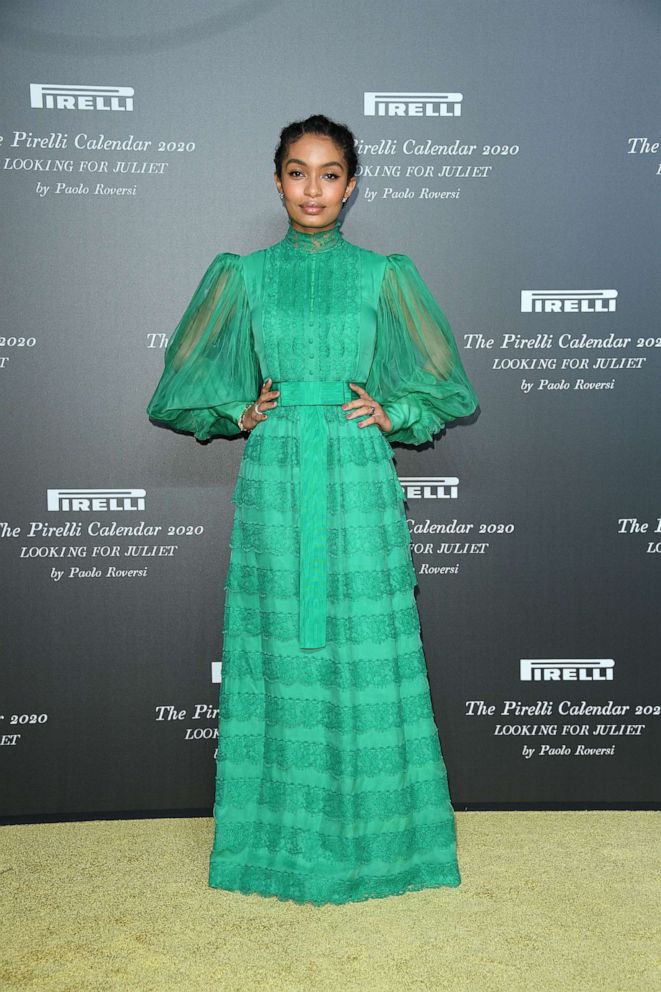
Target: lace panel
311,310
387,845
342,586
349,807
290,887
336,761
375,539
356,629
286,712
311,241
313,670
342,497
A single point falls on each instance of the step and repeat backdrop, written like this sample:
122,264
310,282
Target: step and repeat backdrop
513,150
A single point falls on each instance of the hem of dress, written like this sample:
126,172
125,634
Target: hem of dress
452,881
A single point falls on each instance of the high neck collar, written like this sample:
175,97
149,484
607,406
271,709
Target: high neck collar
313,241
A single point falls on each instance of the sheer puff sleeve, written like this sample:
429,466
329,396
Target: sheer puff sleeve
211,369
416,373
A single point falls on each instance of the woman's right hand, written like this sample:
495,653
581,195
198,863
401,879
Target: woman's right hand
250,417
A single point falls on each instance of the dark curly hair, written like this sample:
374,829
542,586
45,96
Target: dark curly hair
318,124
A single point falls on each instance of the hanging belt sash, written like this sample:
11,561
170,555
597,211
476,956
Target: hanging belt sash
313,496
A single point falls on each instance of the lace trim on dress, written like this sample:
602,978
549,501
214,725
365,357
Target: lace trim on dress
319,670
333,760
375,628
342,586
387,845
340,495
356,717
349,807
313,241
282,540
252,879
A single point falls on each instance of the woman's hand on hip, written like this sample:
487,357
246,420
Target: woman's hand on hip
366,405
265,401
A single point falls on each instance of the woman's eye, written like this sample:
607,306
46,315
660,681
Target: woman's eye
297,172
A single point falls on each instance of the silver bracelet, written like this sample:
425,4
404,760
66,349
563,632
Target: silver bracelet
240,423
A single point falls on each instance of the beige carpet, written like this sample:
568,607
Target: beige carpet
548,901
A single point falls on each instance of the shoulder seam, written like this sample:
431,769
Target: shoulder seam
226,254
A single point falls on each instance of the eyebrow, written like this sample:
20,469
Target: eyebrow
301,162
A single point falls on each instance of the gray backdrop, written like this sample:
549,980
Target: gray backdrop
512,150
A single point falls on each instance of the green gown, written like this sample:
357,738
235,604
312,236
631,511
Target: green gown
331,786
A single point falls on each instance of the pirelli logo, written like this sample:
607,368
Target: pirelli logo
64,96
412,104
568,300
567,669
429,486
95,500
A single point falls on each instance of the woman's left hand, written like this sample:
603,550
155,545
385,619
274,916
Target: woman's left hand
365,404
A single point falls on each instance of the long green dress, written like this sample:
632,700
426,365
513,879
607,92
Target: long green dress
331,785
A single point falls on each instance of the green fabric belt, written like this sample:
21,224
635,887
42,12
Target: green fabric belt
313,496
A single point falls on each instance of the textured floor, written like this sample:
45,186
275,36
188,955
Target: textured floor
549,901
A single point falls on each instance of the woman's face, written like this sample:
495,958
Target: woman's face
314,182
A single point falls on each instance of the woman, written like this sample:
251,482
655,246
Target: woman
331,785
